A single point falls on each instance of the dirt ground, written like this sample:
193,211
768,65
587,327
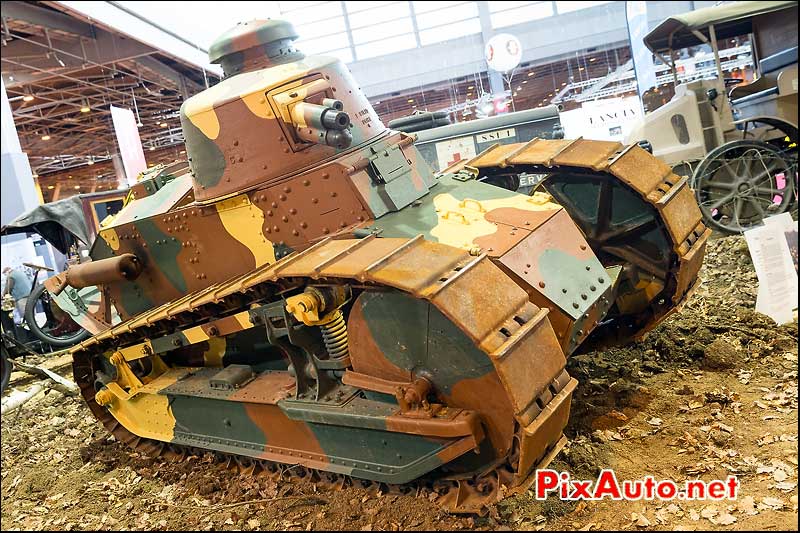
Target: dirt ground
711,392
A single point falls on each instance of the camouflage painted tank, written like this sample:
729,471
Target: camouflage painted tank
306,292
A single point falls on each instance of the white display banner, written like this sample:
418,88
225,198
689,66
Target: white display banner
636,13
130,145
605,120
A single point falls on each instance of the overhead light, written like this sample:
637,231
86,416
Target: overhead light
51,187
531,73
27,98
152,148
471,87
70,176
581,68
163,124
563,83
410,100
90,162
46,137
85,108
526,81
592,59
35,176
77,187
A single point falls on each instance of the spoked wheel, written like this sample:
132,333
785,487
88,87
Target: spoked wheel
742,182
49,323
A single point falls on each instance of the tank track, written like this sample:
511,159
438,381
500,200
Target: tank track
621,175
445,276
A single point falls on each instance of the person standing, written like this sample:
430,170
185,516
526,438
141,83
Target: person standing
19,287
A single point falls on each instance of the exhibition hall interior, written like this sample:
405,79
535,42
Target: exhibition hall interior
390,265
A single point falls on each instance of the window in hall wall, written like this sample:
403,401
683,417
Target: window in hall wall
442,21
509,13
575,5
301,13
322,28
378,32
323,45
393,11
449,31
446,15
343,54
360,5
386,46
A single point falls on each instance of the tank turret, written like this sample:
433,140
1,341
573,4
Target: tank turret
275,113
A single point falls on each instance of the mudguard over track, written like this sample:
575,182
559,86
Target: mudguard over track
523,362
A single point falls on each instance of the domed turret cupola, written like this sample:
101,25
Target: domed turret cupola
276,112
255,45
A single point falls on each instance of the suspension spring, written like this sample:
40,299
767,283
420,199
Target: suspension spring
334,335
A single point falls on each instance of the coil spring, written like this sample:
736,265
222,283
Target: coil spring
334,335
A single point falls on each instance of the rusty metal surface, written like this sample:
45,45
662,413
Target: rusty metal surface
649,178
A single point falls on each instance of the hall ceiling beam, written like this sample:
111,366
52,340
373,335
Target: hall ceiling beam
46,18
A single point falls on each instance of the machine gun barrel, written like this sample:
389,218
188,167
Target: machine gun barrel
323,124
320,116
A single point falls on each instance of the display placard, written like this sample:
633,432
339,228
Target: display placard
129,142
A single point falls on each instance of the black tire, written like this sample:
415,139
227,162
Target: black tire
730,188
6,366
39,293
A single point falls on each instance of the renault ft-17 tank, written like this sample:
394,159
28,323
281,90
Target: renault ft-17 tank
308,293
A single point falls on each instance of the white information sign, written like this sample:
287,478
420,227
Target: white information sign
771,250
605,120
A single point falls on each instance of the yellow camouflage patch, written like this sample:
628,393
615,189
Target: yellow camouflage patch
216,350
250,87
243,221
111,238
463,221
207,122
